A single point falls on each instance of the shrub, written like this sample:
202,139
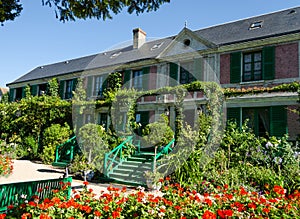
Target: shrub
94,141
158,133
53,136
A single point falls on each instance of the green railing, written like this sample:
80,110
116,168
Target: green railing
65,152
113,158
165,151
14,193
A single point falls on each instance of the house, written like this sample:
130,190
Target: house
260,52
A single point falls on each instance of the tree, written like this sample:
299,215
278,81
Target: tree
9,9
66,10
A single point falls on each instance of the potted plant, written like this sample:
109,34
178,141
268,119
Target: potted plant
152,180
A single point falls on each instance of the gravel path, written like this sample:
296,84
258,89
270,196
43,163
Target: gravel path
25,170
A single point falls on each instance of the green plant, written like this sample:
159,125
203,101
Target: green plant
53,136
158,133
94,141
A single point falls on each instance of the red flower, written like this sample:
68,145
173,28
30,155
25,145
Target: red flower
177,207
266,210
208,215
45,216
208,201
2,216
106,208
85,183
115,214
168,178
252,205
225,213
279,190
97,213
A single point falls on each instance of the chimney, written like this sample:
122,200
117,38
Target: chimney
139,38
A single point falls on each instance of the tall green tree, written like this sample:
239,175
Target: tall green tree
66,10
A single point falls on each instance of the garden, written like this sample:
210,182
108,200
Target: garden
246,177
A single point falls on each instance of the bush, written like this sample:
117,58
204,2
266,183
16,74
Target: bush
158,133
53,136
94,141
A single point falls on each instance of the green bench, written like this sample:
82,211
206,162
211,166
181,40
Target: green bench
11,193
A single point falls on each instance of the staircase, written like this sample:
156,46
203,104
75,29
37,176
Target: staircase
130,170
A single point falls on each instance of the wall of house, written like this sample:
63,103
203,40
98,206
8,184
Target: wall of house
293,123
225,69
287,61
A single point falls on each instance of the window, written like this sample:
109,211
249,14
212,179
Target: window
98,86
186,73
262,120
42,89
19,93
102,120
256,25
258,120
69,87
137,79
252,66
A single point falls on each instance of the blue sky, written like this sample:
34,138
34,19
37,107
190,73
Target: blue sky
37,38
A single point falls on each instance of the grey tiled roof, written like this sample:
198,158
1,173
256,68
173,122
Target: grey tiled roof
277,23
273,24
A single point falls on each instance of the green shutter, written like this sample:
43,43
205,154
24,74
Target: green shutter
268,55
173,74
278,121
198,69
145,78
11,94
234,114
74,84
126,79
62,89
235,67
34,90
23,92
89,87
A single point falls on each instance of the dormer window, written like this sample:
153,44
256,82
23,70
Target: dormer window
256,25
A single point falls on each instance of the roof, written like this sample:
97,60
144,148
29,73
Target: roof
272,24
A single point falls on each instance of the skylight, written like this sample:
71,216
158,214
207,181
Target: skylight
156,46
115,55
256,25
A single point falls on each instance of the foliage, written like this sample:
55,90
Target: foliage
291,87
173,201
52,137
80,164
53,87
6,165
94,143
71,10
158,133
9,10
28,118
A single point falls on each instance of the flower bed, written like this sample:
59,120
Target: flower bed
6,165
173,201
